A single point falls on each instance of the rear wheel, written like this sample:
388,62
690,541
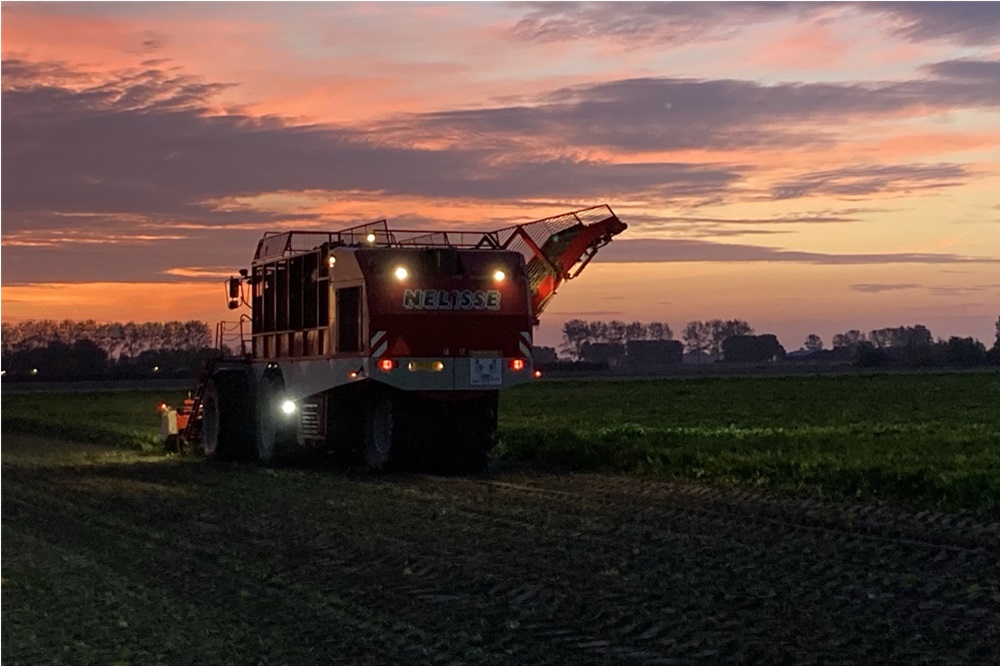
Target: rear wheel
227,417
379,431
470,435
447,437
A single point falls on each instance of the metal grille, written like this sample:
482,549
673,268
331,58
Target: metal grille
311,426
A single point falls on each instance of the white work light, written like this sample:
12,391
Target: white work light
370,238
288,407
401,273
499,276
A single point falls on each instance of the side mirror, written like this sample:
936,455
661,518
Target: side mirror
234,293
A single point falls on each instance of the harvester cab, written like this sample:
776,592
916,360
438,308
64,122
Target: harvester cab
388,343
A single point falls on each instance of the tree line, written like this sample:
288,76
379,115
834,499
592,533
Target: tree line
900,345
698,336
709,336
115,339
908,345
57,350
577,332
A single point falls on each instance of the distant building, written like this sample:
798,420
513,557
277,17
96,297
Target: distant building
752,349
698,358
610,353
653,353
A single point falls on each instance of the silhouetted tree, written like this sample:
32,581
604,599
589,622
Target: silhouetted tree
869,355
697,337
965,352
851,338
813,342
616,331
720,330
635,331
659,331
575,333
544,354
115,338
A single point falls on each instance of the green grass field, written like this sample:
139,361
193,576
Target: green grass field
930,440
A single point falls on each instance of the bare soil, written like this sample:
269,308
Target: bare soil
114,557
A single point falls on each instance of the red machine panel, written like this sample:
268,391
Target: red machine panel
446,302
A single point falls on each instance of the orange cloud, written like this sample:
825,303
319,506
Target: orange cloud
116,301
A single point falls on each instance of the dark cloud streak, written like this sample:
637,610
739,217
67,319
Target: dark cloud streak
637,24
150,143
687,250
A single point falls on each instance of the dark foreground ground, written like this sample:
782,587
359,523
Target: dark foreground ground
112,557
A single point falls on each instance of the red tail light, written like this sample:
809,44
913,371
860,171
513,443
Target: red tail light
538,373
386,364
517,364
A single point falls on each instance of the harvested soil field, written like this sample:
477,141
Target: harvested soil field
116,557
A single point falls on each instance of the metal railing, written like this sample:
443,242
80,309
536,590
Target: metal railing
518,237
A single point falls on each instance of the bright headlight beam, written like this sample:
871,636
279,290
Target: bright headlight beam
288,407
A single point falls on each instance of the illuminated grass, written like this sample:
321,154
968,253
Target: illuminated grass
123,419
929,440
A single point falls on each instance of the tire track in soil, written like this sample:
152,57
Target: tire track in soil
551,569
106,536
933,548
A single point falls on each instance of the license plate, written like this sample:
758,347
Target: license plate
485,371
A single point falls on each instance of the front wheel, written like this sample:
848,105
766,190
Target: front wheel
276,430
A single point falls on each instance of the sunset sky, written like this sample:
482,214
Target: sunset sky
806,167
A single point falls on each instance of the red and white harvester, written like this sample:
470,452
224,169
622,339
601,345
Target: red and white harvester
391,344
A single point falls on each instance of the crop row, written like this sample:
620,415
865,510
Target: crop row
926,440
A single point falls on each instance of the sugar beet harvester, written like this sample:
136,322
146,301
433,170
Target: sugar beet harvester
391,344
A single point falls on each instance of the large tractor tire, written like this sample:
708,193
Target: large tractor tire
409,432
276,432
444,437
380,428
471,433
227,417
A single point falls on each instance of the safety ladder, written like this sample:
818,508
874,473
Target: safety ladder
226,332
192,431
